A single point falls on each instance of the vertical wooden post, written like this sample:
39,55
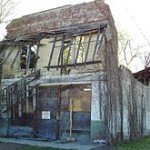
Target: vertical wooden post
27,98
60,58
34,99
87,51
58,112
71,109
51,54
28,58
37,55
97,40
68,55
79,45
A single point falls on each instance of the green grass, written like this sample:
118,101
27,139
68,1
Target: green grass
143,144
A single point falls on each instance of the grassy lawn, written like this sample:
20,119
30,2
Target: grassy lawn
143,144
39,148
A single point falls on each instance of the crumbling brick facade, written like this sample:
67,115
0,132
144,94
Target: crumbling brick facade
57,18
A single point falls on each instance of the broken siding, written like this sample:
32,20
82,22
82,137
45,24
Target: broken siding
68,52
74,51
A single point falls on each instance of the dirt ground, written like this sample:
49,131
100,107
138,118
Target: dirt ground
10,146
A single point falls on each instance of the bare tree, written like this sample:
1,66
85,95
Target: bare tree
128,51
6,9
145,59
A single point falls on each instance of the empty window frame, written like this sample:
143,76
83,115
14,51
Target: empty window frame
28,57
75,50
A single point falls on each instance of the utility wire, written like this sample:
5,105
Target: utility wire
134,20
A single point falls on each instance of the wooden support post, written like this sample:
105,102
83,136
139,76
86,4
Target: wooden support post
37,54
71,109
28,58
34,99
51,54
79,46
97,40
87,51
27,98
60,59
58,111
8,111
101,40
59,89
70,45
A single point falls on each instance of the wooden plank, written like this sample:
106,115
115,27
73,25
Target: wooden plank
51,54
28,58
98,34
87,51
17,54
72,65
101,40
37,54
70,44
60,58
79,45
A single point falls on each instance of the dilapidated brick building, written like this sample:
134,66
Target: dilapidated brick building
60,76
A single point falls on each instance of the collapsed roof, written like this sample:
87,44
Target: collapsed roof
60,18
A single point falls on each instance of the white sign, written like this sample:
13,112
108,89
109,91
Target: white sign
46,115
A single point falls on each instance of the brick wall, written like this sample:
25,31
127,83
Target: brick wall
69,15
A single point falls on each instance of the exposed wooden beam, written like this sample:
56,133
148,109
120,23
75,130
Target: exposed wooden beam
28,58
60,58
97,40
52,51
68,55
72,65
37,54
79,46
87,50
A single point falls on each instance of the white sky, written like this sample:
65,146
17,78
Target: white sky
129,15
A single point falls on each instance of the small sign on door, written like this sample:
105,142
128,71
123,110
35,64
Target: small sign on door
46,115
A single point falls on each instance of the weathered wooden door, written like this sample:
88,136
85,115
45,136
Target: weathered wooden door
46,123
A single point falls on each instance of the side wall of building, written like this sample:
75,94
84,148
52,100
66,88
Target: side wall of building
135,106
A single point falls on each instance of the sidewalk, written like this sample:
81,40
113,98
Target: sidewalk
57,144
